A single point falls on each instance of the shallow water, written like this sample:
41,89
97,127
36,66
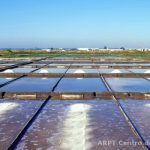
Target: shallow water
78,125
31,85
129,84
81,85
140,70
4,80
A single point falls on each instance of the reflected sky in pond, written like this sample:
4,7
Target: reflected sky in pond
129,84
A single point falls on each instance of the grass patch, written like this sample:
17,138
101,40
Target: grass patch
36,53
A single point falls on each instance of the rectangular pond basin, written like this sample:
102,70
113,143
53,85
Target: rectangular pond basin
144,64
14,115
78,64
30,85
71,60
55,61
33,66
6,65
140,70
45,60
133,64
71,57
103,64
51,70
81,85
6,61
58,66
115,64
139,113
82,61
37,65
5,80
129,84
19,70
82,71
126,64
63,58
113,71
79,125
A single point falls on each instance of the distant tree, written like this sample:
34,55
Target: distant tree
122,48
105,47
9,50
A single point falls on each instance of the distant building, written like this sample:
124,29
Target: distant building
111,49
83,49
141,49
46,50
116,49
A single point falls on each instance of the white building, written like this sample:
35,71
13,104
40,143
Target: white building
83,49
46,50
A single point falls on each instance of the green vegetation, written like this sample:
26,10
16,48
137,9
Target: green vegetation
37,53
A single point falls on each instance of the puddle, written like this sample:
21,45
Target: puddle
81,85
31,85
129,84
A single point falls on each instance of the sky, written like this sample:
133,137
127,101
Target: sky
74,23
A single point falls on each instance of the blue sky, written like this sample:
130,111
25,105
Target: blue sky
74,23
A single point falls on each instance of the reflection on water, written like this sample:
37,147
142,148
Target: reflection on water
75,134
139,70
129,84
